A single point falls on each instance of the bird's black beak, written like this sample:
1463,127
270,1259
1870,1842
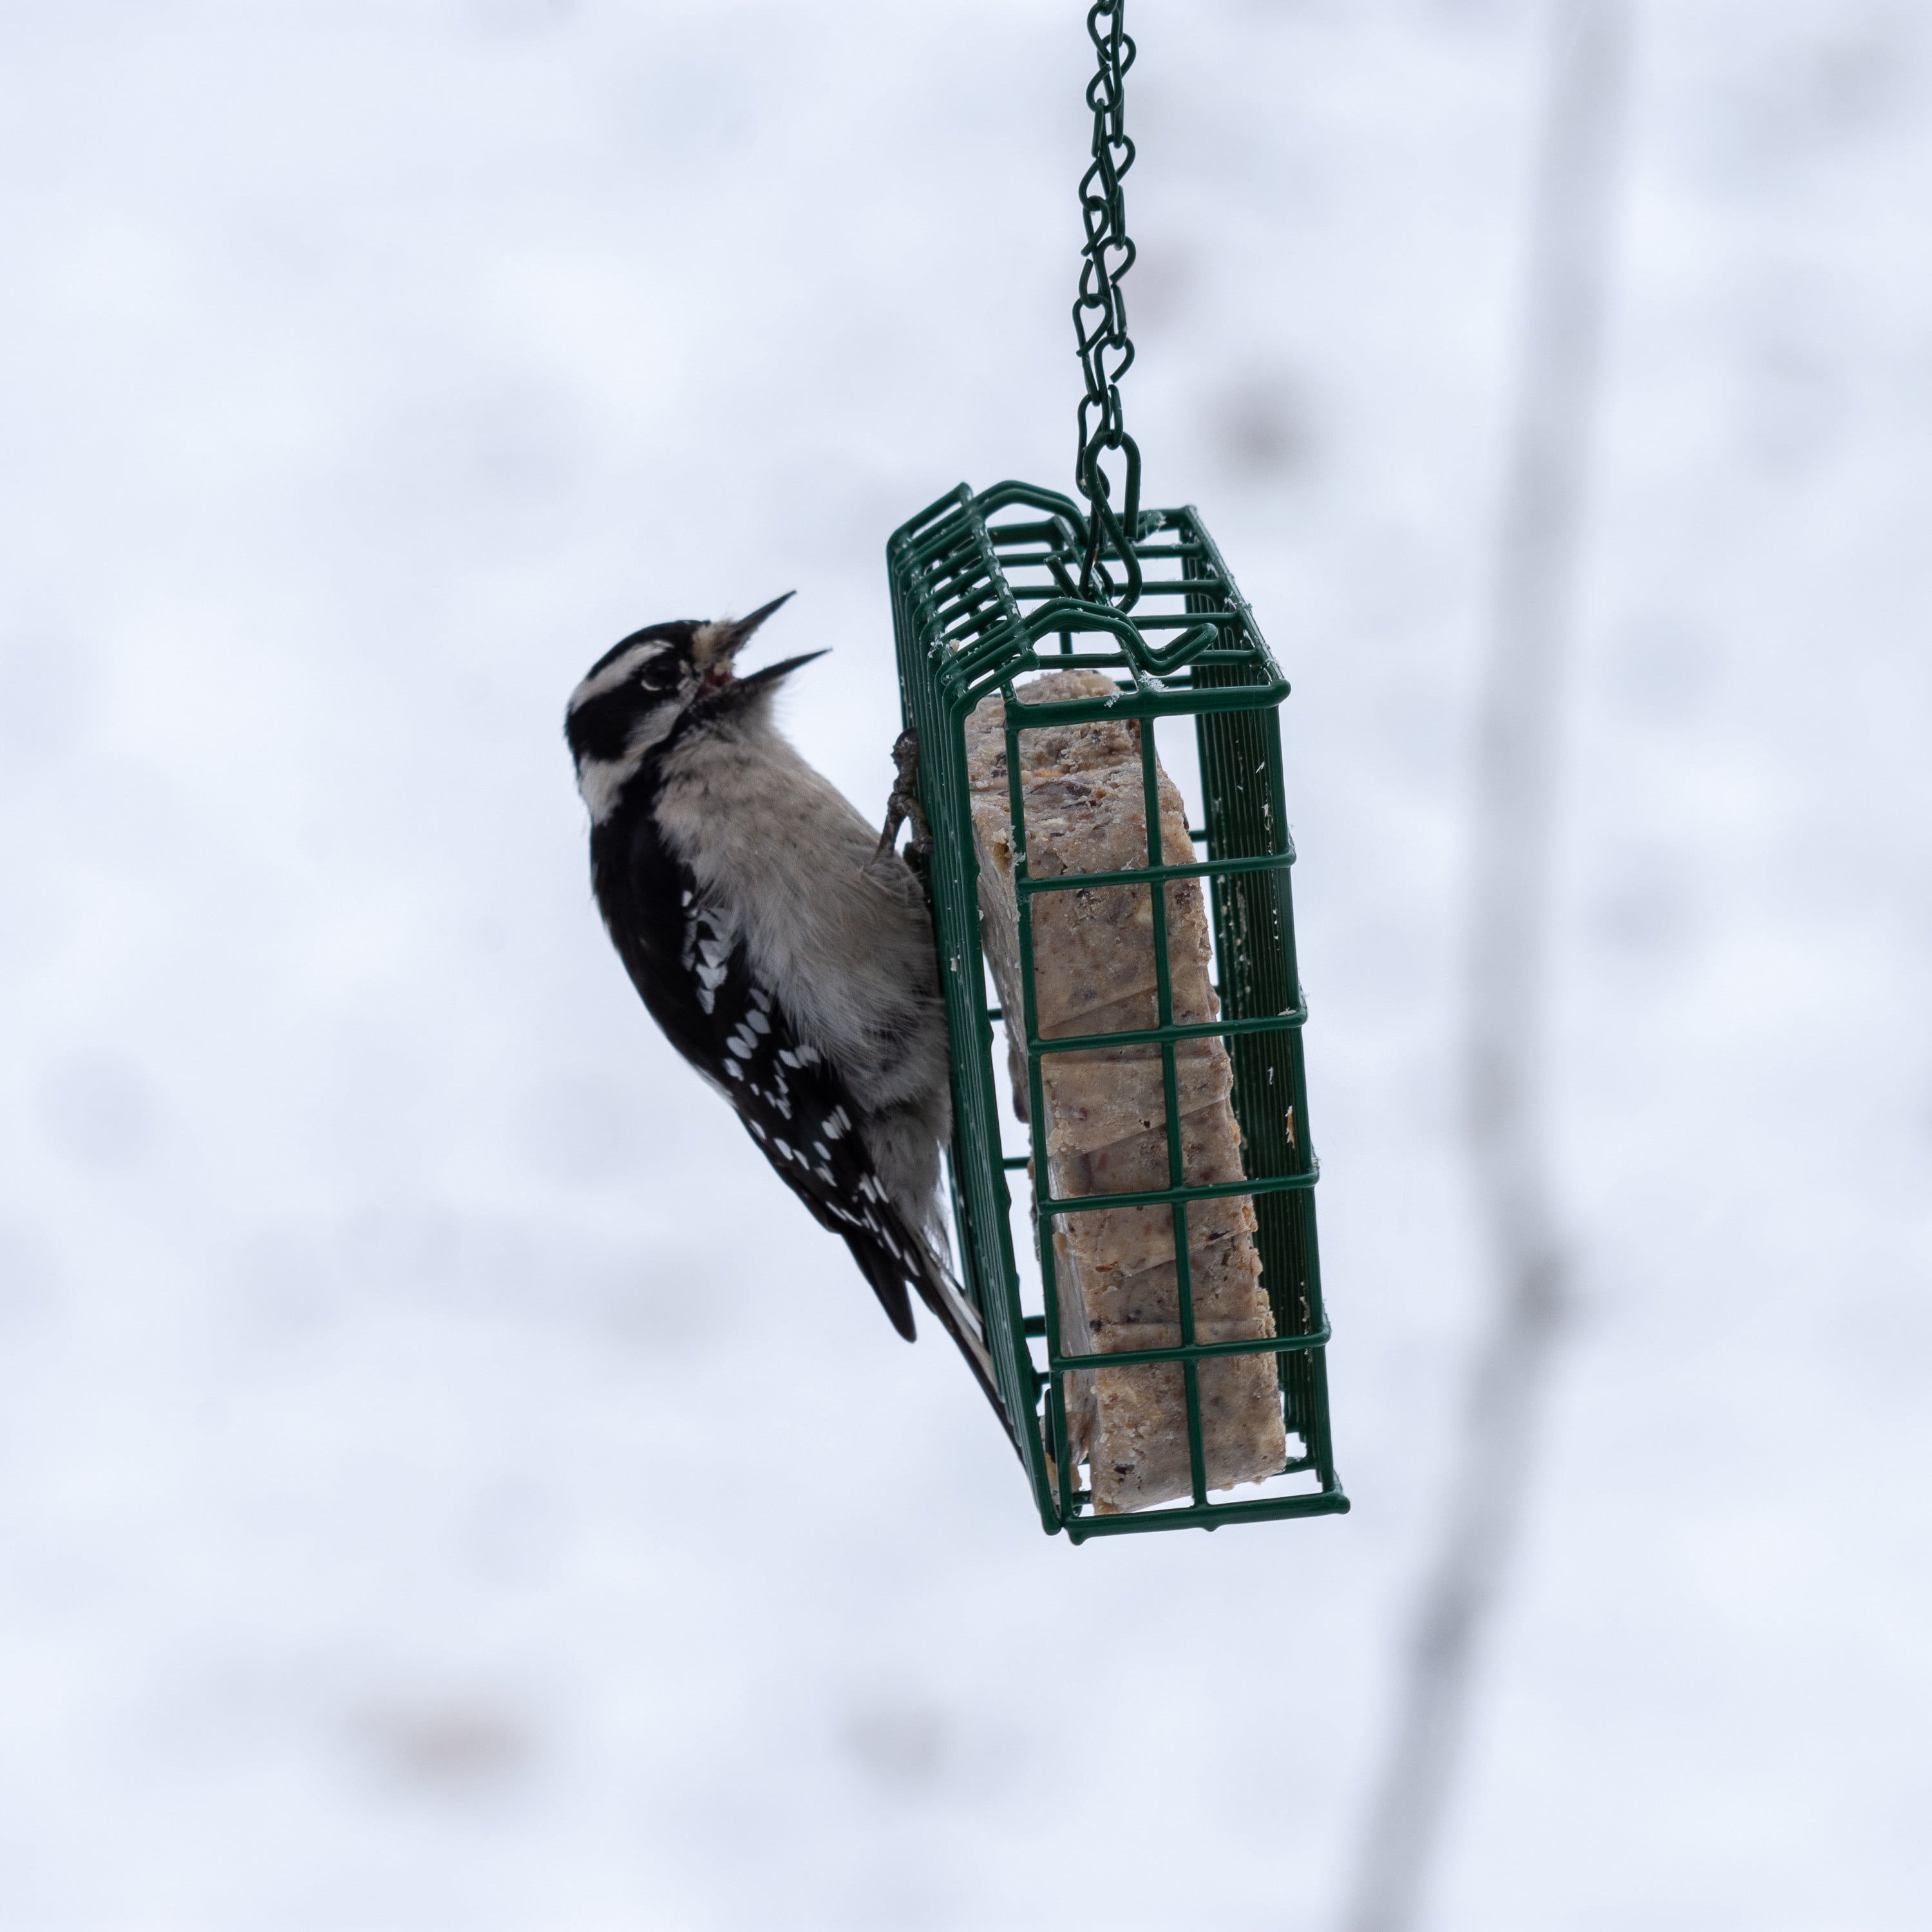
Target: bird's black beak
739,633
763,680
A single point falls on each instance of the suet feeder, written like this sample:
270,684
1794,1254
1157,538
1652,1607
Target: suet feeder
986,592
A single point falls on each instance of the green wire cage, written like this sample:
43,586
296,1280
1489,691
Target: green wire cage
984,592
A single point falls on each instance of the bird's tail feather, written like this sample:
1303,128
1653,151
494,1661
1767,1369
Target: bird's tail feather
889,1267
961,1320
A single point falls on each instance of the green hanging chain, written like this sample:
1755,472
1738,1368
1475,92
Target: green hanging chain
1100,317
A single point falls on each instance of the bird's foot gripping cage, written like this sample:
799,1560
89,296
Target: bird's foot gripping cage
1138,1382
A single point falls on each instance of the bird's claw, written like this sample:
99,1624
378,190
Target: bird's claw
905,804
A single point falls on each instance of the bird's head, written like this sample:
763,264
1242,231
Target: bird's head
669,678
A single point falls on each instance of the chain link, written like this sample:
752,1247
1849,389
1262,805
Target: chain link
1100,317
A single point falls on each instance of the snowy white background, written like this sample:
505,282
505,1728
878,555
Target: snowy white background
445,1480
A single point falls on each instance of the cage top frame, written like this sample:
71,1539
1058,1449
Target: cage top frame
966,629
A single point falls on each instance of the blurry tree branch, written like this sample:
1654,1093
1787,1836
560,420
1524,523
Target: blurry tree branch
1508,906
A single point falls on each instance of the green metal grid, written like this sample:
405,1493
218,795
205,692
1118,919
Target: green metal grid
977,603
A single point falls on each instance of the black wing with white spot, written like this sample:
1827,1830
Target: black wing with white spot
794,1104
686,961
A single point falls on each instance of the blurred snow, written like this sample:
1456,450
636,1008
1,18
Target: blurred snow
444,1480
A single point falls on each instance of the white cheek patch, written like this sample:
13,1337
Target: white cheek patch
619,671
602,781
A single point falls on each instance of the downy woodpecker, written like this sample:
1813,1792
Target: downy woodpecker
783,948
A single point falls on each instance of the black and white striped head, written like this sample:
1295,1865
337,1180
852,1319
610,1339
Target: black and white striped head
670,678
